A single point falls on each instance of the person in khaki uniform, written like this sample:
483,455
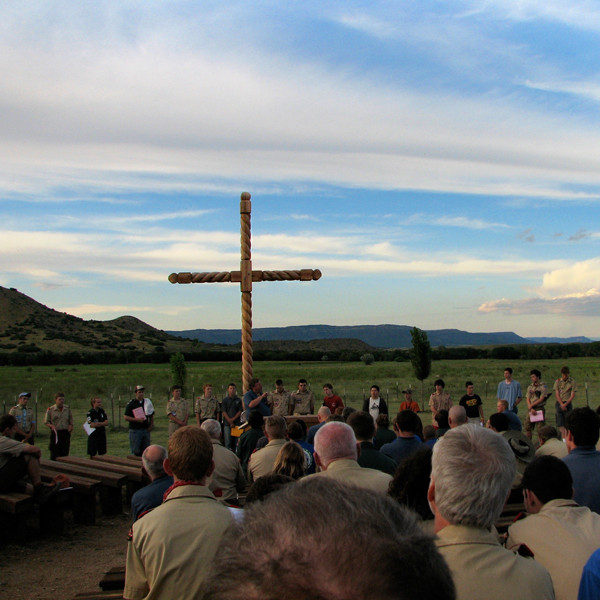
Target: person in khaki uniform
564,389
439,400
262,461
561,534
303,401
228,478
280,400
472,472
537,394
59,419
171,548
207,407
178,410
25,417
336,453
550,443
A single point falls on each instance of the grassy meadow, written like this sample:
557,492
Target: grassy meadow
351,381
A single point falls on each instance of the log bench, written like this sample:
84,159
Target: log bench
100,596
17,508
135,478
111,495
84,496
114,579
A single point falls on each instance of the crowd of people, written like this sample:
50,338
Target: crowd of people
354,506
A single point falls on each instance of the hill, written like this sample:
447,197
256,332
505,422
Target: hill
377,336
28,326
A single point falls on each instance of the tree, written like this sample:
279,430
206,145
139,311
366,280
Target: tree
368,359
178,369
420,356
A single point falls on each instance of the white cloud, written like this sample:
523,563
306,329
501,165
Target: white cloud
85,310
458,221
577,305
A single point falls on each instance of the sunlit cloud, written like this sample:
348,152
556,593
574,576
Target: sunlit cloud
586,304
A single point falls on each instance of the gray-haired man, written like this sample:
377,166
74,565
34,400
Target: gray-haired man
151,496
472,472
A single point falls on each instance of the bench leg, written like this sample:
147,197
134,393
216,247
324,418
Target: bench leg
84,509
13,529
52,518
111,500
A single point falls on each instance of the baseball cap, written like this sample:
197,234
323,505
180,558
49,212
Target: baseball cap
139,388
24,394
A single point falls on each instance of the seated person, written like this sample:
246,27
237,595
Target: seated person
18,460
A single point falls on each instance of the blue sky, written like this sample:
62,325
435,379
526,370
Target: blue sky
438,161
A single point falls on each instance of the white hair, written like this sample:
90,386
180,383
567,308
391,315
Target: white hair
472,470
334,441
153,458
212,427
457,415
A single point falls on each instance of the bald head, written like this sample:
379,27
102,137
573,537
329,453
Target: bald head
153,459
335,441
457,416
323,414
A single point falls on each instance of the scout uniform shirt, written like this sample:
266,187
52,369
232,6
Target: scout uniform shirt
207,408
24,415
61,419
439,402
180,409
534,392
280,403
565,388
302,402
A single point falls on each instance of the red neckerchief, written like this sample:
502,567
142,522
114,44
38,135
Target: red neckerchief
178,484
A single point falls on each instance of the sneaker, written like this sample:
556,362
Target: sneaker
45,492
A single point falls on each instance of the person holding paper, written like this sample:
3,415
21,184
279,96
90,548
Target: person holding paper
139,413
97,420
59,418
537,394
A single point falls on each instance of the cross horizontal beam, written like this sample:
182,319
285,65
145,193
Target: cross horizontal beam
236,276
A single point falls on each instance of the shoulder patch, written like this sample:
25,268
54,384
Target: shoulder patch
523,550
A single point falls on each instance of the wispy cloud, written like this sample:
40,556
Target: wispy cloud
458,221
526,236
581,234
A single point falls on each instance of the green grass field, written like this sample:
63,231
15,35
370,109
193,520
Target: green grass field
352,381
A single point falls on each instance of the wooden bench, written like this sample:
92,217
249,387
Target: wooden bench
17,508
84,496
111,495
99,596
134,457
114,579
135,477
14,509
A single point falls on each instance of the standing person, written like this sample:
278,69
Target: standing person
178,410
97,419
139,413
25,417
510,391
331,400
409,403
439,400
473,405
564,389
303,400
255,399
207,406
537,394
375,405
59,419
232,408
280,400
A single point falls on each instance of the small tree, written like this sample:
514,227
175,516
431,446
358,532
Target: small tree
368,359
420,356
178,369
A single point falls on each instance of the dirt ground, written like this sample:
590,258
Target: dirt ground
57,568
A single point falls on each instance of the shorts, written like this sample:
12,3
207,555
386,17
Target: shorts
97,442
561,414
529,426
11,472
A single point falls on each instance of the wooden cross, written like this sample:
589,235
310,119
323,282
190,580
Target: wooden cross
245,276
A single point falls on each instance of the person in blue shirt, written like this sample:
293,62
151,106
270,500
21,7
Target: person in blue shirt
406,425
254,399
151,496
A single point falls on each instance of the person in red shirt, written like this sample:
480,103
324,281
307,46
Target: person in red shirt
331,401
409,403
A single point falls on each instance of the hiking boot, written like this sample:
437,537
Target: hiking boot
44,492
